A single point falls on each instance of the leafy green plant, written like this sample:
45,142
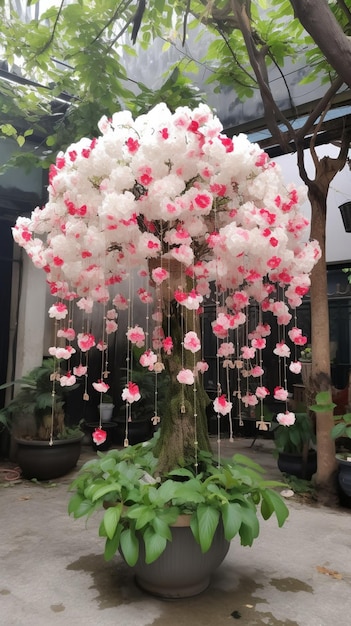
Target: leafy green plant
324,403
137,505
293,439
35,398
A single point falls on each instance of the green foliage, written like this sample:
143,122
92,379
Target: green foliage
137,505
38,396
294,438
324,403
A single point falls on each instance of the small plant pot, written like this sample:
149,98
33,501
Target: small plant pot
293,464
138,431
106,411
344,474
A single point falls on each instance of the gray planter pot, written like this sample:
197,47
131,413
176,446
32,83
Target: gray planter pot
182,570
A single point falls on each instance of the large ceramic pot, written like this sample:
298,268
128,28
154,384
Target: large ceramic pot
293,464
40,460
182,570
344,474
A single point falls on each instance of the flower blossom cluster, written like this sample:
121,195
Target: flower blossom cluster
223,212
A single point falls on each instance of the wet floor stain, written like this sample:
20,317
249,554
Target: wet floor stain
112,582
57,608
243,602
5,592
290,584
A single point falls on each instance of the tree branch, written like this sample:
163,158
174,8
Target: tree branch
317,19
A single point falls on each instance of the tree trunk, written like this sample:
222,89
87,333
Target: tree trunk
183,428
325,478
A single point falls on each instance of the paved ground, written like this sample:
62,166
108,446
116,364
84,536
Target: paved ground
52,572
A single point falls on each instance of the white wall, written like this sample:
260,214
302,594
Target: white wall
338,241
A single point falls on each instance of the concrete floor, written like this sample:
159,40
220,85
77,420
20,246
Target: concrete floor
52,571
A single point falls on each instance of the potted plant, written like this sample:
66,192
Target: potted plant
147,518
293,437
45,446
341,432
169,202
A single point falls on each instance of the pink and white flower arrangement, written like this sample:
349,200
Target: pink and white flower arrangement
227,217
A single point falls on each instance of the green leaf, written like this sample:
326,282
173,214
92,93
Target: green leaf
129,546
272,502
111,519
208,518
231,516
155,544
112,545
74,503
161,527
249,528
102,491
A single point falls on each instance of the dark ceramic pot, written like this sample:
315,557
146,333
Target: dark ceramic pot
293,464
138,431
344,474
109,427
40,460
182,570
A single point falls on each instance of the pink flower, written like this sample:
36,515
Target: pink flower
249,399
101,387
80,370
58,311
286,419
68,380
185,377
183,254
62,353
295,367
226,349
85,341
192,301
258,343
280,393
221,405
110,326
136,336
159,274
120,302
131,393
192,342
167,345
111,314
248,353
148,359
256,371
101,345
85,304
202,367
99,436
297,337
281,349
261,392
67,333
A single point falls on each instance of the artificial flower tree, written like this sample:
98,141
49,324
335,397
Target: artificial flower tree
169,196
